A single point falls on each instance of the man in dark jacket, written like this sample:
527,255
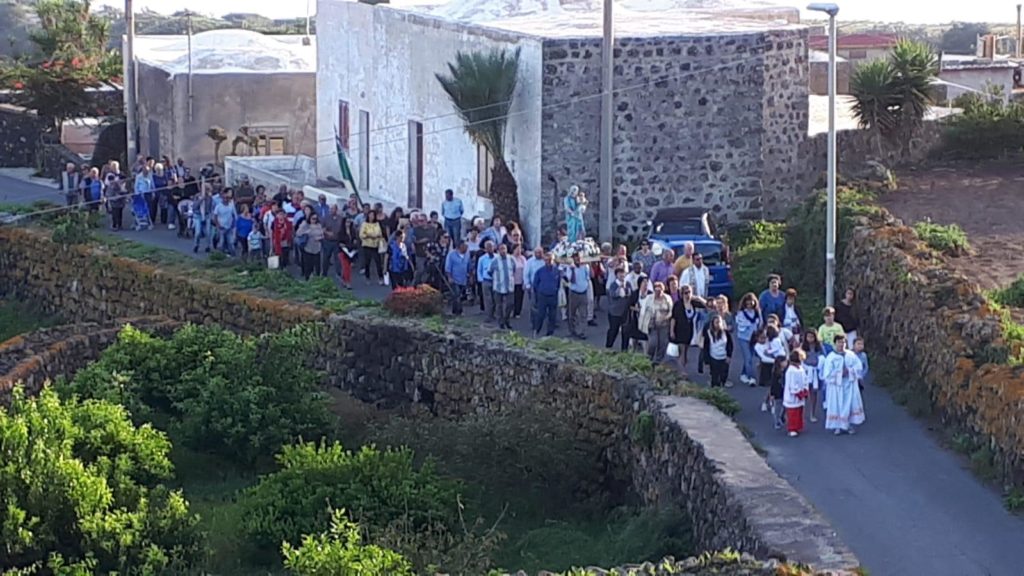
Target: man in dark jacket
547,281
618,305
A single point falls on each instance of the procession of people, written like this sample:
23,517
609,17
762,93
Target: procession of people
657,301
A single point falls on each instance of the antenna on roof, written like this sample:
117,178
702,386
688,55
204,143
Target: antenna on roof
305,41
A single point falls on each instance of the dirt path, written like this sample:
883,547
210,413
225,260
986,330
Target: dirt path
987,201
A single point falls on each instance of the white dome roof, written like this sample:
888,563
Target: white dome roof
232,51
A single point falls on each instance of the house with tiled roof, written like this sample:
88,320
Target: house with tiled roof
856,47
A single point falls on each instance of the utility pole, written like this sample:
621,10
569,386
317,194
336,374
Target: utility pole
130,94
188,16
607,124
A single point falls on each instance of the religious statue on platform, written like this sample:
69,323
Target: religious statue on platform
575,206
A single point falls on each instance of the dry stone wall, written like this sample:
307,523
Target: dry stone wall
674,451
938,323
720,129
32,359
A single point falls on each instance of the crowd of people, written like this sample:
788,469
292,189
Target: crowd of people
656,303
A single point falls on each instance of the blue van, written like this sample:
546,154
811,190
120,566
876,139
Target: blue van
673,227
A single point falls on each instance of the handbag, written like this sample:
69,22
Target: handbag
273,262
301,240
672,351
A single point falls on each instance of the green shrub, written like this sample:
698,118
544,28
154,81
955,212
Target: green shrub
987,128
81,489
1011,295
803,254
377,487
340,552
950,239
242,398
74,227
757,247
720,399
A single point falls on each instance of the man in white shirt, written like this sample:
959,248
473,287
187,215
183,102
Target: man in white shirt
633,276
697,276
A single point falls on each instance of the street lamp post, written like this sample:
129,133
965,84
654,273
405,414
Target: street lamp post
607,124
830,218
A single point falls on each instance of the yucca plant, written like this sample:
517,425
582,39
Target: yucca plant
892,96
875,102
481,85
916,67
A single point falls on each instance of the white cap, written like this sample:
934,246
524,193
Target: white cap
657,249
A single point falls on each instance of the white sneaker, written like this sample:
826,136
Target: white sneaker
793,434
728,384
170,226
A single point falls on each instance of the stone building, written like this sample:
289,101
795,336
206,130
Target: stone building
258,92
710,106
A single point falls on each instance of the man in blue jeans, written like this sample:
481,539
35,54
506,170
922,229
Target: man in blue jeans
452,211
547,281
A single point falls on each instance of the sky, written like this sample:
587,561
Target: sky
909,11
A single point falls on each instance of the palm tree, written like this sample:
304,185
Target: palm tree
892,96
873,88
916,67
481,86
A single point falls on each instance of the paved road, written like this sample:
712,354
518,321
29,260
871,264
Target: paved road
905,505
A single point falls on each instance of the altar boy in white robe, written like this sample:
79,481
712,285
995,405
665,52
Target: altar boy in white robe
844,407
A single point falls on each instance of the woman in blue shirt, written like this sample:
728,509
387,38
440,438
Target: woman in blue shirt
399,265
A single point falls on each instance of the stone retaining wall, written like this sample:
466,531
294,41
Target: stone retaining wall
938,323
693,456
35,358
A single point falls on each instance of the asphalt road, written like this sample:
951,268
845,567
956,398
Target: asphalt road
905,505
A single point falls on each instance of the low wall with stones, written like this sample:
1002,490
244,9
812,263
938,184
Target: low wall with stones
20,130
674,451
937,322
34,358
855,148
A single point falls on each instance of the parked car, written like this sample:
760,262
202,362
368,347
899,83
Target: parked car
673,227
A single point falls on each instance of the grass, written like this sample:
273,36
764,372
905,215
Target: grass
20,317
949,239
1011,295
211,485
320,292
1014,500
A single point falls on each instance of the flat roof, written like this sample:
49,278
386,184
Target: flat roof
633,18
634,24
227,51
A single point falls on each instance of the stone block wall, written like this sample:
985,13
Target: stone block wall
937,322
696,458
695,136
35,358
20,130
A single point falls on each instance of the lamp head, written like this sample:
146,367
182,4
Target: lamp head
827,8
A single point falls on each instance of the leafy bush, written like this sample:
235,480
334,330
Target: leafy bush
949,239
81,489
803,254
1011,295
720,399
757,247
377,487
75,227
340,552
422,300
243,398
987,128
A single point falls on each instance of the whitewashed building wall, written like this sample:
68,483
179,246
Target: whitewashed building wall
384,61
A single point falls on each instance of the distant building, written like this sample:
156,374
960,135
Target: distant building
856,47
257,92
819,73
960,74
711,105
